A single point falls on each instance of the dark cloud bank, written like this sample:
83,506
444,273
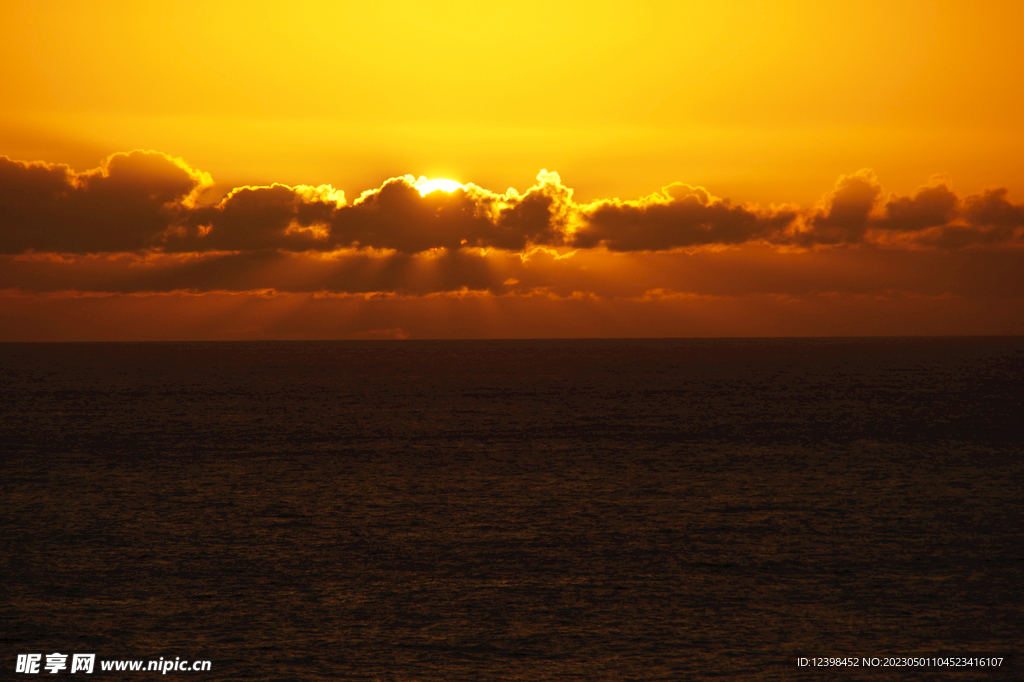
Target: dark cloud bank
148,201
148,207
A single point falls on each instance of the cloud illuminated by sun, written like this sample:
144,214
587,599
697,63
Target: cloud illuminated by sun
426,186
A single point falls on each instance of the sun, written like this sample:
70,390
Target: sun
427,186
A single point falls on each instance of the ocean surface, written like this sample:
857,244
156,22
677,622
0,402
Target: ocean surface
515,510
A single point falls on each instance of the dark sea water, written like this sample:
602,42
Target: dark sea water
548,510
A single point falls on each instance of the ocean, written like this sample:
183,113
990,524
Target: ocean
727,509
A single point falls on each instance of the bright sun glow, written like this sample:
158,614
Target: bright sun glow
427,186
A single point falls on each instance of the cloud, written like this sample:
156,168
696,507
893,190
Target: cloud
398,217
988,218
254,218
124,205
145,202
356,272
980,272
542,216
680,216
395,216
933,216
847,211
931,206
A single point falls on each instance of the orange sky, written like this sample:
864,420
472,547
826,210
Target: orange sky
776,108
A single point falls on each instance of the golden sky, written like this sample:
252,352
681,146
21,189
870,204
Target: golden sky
728,168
